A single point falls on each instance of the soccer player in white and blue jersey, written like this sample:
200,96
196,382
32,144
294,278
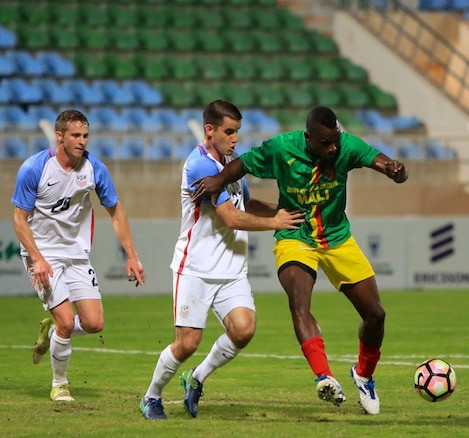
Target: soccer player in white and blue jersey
210,263
54,222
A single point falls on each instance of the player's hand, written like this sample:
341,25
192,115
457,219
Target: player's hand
396,170
42,272
289,220
135,272
208,185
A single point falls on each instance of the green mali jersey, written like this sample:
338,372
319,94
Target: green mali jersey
309,184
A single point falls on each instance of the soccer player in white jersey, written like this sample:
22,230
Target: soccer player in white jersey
210,263
54,222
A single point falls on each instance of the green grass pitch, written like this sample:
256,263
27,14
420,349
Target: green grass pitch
268,391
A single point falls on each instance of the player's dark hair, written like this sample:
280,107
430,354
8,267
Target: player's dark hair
216,110
323,116
69,116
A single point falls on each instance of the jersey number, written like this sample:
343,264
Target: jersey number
61,205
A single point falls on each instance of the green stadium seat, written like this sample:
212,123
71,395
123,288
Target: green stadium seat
93,38
183,68
154,17
324,69
89,65
290,119
322,44
297,69
241,67
33,13
267,95
239,93
350,71
63,15
352,97
211,68
267,19
63,38
269,68
180,18
268,42
238,42
297,96
379,98
239,19
212,21
177,95
290,22
154,40
93,15
152,67
9,14
181,41
208,41
322,95
350,121
124,16
295,42
122,66
203,94
123,39
33,38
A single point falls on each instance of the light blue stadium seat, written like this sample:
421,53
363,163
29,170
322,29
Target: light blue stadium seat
160,148
143,93
172,120
7,38
134,145
407,149
437,150
458,5
22,92
7,66
39,144
375,121
109,119
55,65
433,5
54,92
384,147
261,122
141,120
15,147
84,93
114,93
26,63
403,123
4,93
184,147
43,112
103,147
18,120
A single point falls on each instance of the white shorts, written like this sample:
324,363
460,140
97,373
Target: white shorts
193,297
73,280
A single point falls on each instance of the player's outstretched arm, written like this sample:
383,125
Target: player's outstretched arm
211,185
393,169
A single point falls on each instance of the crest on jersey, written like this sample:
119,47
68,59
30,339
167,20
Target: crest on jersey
81,180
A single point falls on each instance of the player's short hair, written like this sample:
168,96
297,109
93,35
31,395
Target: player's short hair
69,116
216,110
323,116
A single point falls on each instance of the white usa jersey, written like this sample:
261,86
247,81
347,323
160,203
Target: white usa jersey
206,247
62,219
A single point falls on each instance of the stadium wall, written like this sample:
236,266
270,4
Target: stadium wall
406,253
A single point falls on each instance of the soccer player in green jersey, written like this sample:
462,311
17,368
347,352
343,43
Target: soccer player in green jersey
311,169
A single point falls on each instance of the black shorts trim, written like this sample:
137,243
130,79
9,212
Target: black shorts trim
305,268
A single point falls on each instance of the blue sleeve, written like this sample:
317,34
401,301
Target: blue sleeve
105,188
27,181
199,168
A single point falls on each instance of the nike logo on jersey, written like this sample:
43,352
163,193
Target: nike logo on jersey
290,162
52,184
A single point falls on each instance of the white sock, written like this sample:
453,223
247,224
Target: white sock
60,352
77,328
165,369
223,350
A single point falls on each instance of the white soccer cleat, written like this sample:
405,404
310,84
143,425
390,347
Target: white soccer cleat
329,390
369,399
